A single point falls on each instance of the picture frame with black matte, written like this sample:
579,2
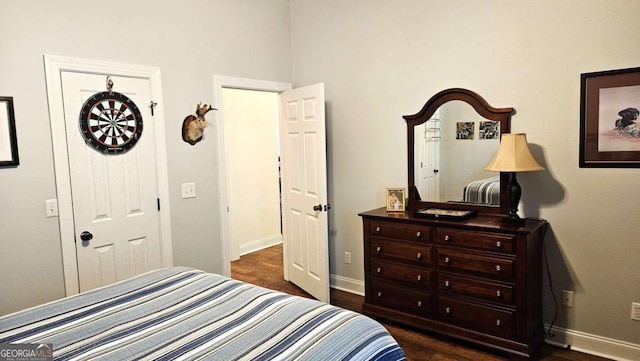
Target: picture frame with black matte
8,139
609,126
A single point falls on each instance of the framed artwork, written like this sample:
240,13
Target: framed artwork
465,130
8,140
445,213
489,129
609,109
395,199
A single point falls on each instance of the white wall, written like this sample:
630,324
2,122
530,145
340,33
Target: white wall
251,143
189,41
383,59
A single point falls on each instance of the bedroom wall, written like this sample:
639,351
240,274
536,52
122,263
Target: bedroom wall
189,41
383,59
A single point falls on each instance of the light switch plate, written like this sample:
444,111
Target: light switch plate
51,208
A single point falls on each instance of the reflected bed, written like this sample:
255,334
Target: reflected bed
483,191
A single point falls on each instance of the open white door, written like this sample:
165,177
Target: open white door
304,189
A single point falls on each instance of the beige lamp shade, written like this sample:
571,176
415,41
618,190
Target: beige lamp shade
513,155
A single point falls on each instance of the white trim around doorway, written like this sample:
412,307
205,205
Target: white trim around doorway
220,82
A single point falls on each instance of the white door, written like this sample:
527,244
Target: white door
115,197
304,189
427,159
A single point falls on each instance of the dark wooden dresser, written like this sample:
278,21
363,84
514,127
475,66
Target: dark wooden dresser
476,279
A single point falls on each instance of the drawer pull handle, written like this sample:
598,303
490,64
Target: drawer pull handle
498,323
498,294
419,277
498,268
447,260
419,255
378,229
447,284
379,270
419,303
418,234
447,310
499,244
379,294
446,237
378,249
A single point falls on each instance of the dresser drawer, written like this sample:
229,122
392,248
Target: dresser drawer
480,263
405,299
399,231
495,242
481,318
490,291
418,276
416,253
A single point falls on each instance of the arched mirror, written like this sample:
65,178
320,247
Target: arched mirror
450,142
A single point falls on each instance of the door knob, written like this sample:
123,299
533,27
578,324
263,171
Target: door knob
317,208
86,236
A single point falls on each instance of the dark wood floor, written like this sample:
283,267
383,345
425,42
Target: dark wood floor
264,268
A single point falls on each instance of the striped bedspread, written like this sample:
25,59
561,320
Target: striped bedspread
484,191
187,314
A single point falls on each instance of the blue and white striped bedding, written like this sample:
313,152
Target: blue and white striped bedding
484,191
183,313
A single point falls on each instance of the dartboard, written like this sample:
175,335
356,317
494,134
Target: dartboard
110,122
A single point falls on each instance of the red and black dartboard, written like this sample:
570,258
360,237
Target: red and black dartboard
110,122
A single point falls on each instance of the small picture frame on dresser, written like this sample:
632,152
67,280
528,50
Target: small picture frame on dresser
395,199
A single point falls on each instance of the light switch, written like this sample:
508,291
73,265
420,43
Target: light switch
188,190
51,208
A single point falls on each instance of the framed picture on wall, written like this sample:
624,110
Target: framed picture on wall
465,130
609,127
489,130
395,199
8,140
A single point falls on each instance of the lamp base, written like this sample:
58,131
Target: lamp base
514,219
513,193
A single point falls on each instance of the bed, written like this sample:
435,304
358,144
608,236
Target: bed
483,191
184,313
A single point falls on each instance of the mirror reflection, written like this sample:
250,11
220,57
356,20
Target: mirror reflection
451,150
450,141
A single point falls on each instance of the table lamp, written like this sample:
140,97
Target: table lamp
513,156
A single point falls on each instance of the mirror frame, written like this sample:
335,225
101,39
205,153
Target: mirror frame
484,109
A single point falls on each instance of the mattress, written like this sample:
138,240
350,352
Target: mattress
188,314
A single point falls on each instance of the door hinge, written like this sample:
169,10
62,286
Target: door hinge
158,204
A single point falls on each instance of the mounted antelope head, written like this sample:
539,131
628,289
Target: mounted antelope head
193,125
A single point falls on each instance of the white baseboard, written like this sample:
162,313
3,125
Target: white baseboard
259,244
347,284
593,344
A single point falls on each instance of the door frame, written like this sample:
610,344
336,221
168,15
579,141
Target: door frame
54,66
220,82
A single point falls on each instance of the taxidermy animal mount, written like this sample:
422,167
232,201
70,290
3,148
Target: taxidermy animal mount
193,125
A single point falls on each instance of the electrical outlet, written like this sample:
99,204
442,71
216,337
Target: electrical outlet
347,257
188,190
567,298
635,311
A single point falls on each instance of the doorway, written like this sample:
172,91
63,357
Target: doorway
221,84
304,182
253,177
55,69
